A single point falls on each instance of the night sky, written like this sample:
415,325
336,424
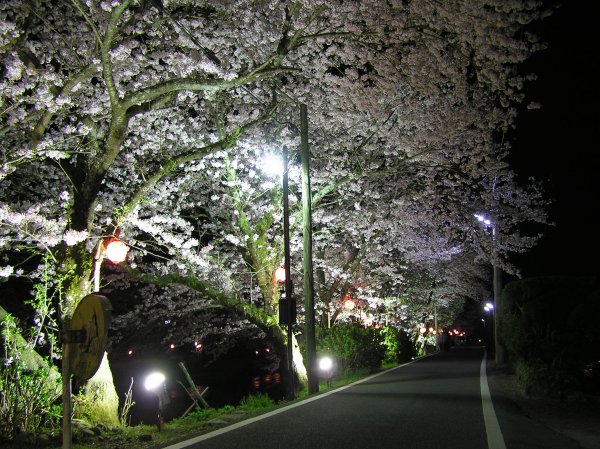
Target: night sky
557,143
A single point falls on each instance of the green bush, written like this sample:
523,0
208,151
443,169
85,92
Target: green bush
353,346
27,396
399,346
545,328
26,402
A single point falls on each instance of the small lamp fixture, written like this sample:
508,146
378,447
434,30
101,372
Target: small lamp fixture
116,250
280,275
349,304
326,366
155,382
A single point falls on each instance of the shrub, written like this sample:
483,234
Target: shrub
27,396
399,346
545,327
355,347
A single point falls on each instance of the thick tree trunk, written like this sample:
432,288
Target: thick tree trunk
298,362
101,399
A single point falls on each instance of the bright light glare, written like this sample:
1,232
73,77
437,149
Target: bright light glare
116,251
272,165
349,304
325,363
280,275
154,380
483,219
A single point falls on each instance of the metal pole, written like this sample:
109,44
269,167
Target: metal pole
307,257
288,279
66,392
498,349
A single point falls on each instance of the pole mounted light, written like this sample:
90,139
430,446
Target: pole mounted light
155,382
116,250
496,285
111,248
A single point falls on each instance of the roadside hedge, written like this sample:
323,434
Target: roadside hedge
356,347
548,327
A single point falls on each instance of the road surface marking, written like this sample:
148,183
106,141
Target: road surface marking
492,428
214,433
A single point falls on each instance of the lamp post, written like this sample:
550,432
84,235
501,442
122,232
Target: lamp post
112,249
290,305
307,256
497,287
155,382
287,305
326,367
489,308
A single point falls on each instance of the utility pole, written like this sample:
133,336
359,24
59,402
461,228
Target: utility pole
307,257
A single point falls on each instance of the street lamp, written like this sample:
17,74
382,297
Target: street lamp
489,308
155,382
287,305
113,249
307,257
326,366
497,285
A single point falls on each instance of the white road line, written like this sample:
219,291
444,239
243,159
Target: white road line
492,428
214,433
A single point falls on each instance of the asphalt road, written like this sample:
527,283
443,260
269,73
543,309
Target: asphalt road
440,401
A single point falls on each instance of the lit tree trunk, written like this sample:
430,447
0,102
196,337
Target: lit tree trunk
101,399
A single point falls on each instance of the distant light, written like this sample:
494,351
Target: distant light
423,330
325,363
154,380
431,329
116,251
489,305
172,346
130,352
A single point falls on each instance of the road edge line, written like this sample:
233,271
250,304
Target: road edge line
495,439
217,432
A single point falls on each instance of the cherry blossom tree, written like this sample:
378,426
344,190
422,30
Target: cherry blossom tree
147,119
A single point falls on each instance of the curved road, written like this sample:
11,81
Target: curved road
440,401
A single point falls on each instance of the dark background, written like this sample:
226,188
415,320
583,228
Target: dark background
556,144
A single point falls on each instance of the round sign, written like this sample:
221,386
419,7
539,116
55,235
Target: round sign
92,317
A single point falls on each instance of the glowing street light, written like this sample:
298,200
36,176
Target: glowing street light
326,366
155,382
116,251
287,305
496,284
272,165
280,275
113,249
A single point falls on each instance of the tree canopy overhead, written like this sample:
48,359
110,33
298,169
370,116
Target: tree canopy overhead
150,118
